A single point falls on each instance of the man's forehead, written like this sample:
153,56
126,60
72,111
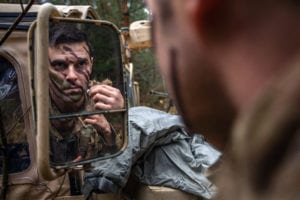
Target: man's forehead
73,49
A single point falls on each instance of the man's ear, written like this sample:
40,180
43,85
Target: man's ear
207,16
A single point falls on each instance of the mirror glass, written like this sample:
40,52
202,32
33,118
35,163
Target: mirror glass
86,91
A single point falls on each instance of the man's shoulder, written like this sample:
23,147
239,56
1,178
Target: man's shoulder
265,141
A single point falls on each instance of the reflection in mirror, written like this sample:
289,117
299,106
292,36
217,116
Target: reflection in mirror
87,111
85,141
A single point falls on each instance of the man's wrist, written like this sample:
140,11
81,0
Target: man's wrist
110,139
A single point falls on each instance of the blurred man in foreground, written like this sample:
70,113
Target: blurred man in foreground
236,65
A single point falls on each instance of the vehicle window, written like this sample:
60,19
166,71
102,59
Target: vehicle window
14,149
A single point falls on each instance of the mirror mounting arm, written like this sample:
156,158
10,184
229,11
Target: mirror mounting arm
42,88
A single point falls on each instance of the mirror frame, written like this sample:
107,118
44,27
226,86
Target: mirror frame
46,13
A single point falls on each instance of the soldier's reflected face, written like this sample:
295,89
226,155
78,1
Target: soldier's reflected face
70,68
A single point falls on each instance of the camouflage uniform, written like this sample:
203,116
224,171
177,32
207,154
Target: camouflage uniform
264,161
83,140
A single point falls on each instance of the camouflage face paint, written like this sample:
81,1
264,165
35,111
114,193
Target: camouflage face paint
58,85
70,68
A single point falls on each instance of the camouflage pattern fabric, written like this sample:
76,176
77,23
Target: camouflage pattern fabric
264,159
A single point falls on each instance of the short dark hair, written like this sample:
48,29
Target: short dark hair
62,33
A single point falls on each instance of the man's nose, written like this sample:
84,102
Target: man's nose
71,73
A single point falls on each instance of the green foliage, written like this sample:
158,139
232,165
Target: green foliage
147,74
109,10
136,10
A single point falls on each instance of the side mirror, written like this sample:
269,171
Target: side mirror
78,66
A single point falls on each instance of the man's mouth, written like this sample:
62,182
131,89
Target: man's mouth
73,90
74,93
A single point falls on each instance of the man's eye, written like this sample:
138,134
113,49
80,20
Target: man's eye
82,64
59,66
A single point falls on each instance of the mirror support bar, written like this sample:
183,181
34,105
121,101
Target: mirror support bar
42,92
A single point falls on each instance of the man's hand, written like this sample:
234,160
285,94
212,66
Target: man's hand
102,126
106,97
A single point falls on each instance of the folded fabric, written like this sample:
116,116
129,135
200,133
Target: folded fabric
159,152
